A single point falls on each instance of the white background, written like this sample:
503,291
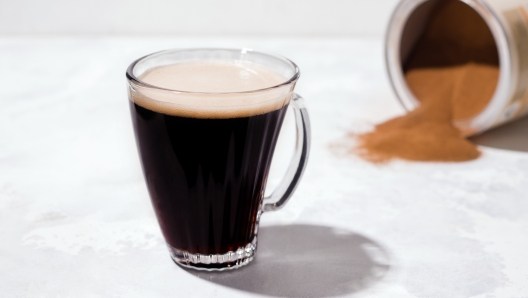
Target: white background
301,18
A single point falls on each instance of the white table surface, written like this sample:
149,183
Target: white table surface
76,220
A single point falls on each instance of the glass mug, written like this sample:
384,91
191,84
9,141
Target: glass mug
206,156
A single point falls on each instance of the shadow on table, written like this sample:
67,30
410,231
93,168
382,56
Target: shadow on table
307,261
512,136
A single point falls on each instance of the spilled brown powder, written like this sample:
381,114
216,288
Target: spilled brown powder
453,71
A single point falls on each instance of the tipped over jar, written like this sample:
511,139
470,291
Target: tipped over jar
473,54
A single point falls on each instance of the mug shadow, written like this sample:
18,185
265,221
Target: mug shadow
512,136
307,261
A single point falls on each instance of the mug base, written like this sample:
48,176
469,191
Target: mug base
221,262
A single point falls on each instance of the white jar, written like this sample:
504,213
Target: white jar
508,23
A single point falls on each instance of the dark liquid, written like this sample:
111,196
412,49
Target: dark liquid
206,177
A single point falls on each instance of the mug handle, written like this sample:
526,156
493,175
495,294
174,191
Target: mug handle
289,183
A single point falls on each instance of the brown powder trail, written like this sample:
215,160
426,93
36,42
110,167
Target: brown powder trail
472,86
454,73
427,133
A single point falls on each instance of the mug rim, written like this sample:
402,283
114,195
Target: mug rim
132,78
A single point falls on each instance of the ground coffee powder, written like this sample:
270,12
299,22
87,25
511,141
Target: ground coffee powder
453,71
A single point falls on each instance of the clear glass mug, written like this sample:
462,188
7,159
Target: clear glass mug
206,156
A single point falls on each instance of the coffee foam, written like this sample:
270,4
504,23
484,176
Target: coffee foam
212,81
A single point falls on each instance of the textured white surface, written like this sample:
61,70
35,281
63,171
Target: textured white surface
76,221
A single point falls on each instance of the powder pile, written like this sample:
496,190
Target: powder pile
453,71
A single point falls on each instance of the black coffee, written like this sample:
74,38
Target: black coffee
206,177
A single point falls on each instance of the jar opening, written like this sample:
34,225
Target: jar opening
447,44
